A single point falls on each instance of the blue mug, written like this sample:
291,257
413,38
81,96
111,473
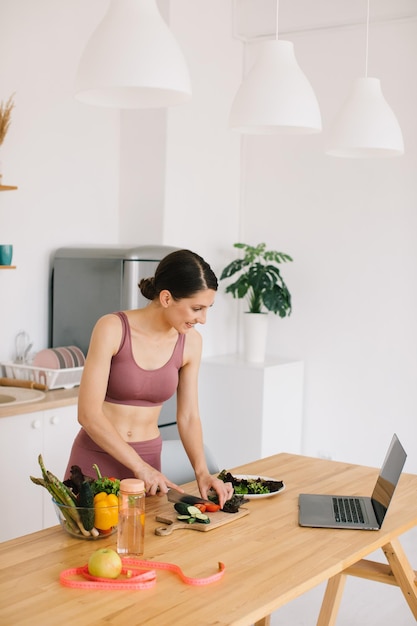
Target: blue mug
6,254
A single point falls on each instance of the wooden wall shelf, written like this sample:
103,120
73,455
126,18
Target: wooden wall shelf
7,267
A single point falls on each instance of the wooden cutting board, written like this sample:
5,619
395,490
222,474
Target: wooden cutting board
167,515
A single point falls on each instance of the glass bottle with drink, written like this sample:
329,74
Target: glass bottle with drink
131,525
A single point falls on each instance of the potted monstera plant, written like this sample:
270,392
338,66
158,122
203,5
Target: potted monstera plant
259,281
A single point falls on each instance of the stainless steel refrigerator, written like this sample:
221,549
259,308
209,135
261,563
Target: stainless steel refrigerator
87,283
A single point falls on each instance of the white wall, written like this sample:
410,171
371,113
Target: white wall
350,225
143,139
203,157
95,176
62,155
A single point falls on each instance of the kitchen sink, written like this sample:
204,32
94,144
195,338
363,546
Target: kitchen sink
10,396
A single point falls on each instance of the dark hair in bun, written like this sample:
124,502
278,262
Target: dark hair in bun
182,273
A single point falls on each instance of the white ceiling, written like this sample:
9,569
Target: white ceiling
254,19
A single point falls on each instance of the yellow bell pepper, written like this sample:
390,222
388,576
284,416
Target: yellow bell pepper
106,512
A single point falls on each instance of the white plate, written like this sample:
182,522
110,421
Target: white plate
257,496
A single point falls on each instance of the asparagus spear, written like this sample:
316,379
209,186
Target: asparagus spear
68,518
61,494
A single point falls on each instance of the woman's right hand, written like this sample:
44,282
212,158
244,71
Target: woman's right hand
156,483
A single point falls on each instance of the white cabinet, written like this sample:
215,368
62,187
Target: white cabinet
22,439
250,410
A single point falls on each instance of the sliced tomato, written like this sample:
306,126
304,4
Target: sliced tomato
201,507
212,508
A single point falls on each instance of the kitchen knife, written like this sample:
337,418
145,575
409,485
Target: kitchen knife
176,496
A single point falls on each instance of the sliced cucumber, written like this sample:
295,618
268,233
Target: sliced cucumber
193,511
186,509
186,518
190,514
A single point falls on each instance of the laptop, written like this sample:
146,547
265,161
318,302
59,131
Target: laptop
356,512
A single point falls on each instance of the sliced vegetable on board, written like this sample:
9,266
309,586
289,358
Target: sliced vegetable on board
190,514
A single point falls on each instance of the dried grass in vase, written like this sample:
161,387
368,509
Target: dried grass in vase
5,117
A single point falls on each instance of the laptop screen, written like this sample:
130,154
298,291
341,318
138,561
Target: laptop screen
388,478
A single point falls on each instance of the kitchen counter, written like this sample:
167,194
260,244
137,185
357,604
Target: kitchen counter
48,427
53,399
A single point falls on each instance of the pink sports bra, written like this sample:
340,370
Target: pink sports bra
130,384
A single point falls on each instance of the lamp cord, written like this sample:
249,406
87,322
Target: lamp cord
276,21
367,42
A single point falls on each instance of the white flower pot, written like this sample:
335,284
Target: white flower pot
255,332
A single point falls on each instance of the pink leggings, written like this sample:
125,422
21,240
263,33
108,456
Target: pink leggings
85,452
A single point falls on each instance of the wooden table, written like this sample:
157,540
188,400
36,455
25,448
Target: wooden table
269,559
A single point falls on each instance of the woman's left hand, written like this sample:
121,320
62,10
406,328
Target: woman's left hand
224,490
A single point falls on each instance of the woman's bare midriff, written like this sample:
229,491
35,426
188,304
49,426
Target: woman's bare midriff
133,423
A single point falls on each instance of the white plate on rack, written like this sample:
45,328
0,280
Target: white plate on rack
257,496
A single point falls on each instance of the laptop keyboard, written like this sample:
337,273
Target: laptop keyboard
348,510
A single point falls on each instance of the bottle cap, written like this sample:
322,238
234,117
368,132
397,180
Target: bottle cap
132,485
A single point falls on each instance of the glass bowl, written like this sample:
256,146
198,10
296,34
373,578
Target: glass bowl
71,518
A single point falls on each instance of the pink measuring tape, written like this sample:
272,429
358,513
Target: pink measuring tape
134,576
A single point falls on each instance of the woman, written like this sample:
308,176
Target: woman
137,359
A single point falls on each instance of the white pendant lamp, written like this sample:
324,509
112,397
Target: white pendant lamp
366,126
132,60
275,96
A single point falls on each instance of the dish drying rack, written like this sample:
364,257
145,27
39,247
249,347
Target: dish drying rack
65,378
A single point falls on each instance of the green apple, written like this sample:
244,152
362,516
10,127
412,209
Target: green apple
105,563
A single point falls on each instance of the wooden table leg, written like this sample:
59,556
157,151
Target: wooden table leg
399,572
403,573
331,600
